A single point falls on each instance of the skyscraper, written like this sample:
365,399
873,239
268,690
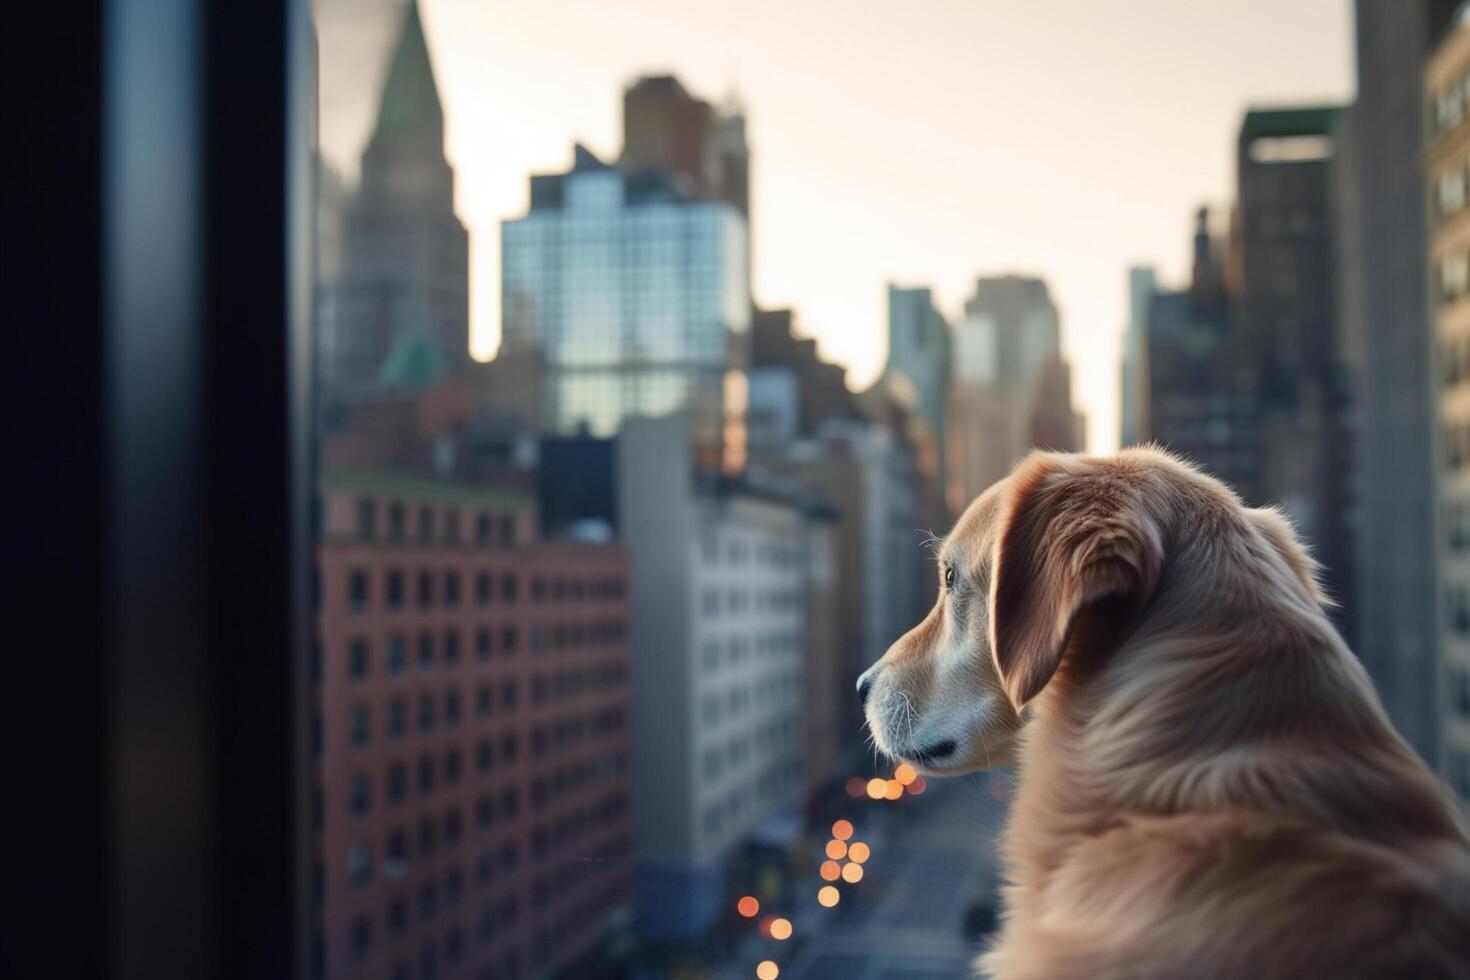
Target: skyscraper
1448,180
636,295
1196,384
407,253
1384,263
919,350
1133,389
700,147
1287,325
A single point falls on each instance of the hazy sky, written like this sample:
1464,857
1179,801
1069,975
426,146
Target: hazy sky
922,142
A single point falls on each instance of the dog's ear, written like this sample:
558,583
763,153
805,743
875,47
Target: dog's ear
1279,534
1078,553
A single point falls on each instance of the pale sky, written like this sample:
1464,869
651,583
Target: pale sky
922,142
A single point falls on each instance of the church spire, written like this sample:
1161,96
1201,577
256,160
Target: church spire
410,105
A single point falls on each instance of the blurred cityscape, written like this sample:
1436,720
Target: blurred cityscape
589,614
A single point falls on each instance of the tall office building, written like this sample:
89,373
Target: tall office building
1287,325
1385,264
637,297
407,254
720,582
473,730
999,397
1447,92
1132,388
1196,383
700,147
919,351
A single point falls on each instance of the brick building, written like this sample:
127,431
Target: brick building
473,733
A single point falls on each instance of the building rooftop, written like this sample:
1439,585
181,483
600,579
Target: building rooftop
424,487
410,102
1316,120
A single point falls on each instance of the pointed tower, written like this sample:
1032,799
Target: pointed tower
407,252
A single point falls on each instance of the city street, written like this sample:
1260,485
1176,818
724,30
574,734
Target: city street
933,857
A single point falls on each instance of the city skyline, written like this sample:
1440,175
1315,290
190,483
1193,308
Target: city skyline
1075,199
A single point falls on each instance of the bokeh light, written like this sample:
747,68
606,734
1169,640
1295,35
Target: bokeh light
767,970
842,829
877,788
836,850
917,786
858,852
831,871
828,896
781,929
852,873
748,906
857,787
905,774
893,789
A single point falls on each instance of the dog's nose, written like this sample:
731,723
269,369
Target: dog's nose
865,686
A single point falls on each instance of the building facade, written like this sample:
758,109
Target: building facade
919,349
473,734
1287,326
407,253
637,298
720,582
1447,169
1387,263
667,130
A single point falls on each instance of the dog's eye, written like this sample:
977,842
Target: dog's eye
949,576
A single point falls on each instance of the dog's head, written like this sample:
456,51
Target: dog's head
1062,554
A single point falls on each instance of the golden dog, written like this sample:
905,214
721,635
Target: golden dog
1208,785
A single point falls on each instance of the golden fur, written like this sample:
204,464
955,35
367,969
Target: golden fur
1208,785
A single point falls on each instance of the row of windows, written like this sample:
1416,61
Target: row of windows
562,833
429,648
447,593
567,733
400,846
738,649
738,553
751,798
768,691
428,715
738,601
359,589
1451,190
574,636
1457,446
1447,108
568,684
564,781
427,774
770,740
1454,276
432,525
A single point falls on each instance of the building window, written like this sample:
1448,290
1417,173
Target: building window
483,699
357,590
453,826
451,526
360,865
484,811
426,652
427,835
426,589
508,587
451,648
482,645
482,528
367,518
397,850
426,774
507,530
453,767
360,937
397,782
451,707
357,659
509,640
451,589
397,725
396,521
538,591
426,712
397,914
508,693
397,655
426,523
1454,276
359,794
395,589
360,726
484,588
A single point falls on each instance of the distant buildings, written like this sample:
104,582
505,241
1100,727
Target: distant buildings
473,732
721,578
1447,178
701,148
1389,328
1010,385
1287,327
1196,382
406,264
919,351
636,297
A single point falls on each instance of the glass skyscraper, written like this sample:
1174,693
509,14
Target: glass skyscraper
637,298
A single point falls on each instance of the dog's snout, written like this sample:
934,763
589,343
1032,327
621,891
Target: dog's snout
865,686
